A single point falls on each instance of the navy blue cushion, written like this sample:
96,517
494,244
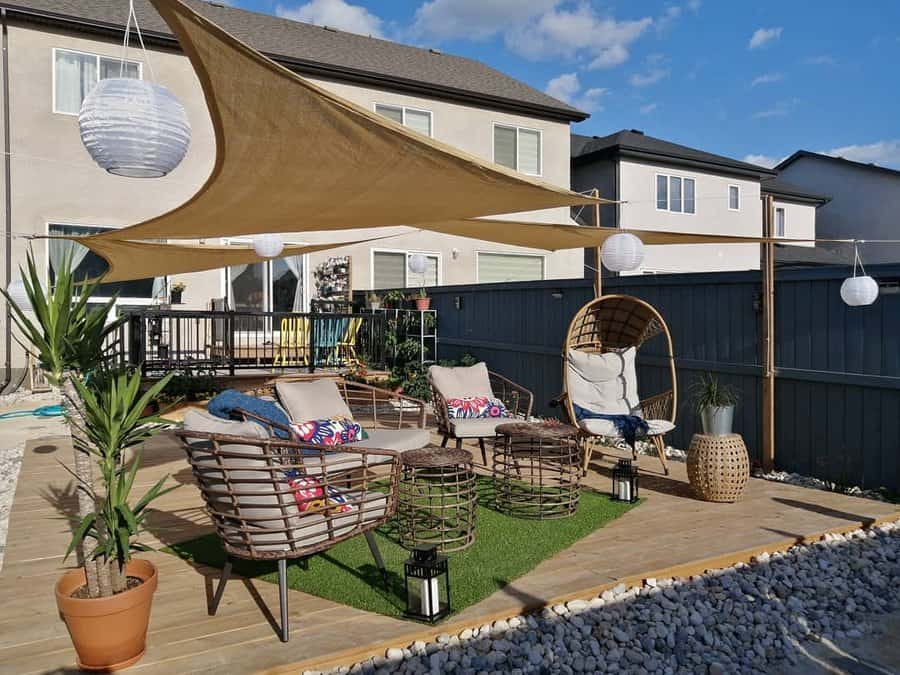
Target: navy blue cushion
225,403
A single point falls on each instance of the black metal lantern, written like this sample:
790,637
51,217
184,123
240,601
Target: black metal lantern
625,482
427,585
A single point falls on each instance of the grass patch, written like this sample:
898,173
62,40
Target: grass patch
505,548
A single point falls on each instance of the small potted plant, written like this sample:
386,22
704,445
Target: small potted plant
423,302
177,289
394,299
714,402
374,301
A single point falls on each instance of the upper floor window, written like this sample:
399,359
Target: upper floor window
76,73
779,222
518,149
734,198
675,193
417,120
502,267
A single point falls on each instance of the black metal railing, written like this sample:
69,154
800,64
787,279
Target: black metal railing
226,341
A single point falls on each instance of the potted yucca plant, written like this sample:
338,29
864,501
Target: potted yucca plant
714,402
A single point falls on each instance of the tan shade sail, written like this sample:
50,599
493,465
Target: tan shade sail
130,260
293,157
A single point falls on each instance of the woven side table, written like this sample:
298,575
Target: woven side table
537,470
437,499
718,467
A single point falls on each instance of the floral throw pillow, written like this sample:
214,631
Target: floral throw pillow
332,431
312,497
475,407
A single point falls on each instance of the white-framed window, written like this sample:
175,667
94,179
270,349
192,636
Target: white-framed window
390,269
498,267
779,222
734,198
89,265
75,74
414,118
276,285
677,194
518,148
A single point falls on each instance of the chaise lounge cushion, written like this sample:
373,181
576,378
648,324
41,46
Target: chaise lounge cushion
476,428
312,400
461,382
603,383
600,427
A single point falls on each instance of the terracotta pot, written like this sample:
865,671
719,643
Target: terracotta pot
423,303
108,633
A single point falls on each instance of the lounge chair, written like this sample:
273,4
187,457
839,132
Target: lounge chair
250,481
600,375
462,382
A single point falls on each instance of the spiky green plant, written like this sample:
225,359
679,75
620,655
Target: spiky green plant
113,422
707,392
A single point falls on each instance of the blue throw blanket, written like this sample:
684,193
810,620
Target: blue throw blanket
628,426
224,404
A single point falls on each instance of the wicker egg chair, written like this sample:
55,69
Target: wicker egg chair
612,323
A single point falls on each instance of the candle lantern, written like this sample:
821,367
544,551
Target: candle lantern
625,482
427,585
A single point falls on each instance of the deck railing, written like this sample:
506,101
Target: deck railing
162,340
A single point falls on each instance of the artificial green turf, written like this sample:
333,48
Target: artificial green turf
505,548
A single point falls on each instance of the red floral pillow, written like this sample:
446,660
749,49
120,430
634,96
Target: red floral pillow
475,407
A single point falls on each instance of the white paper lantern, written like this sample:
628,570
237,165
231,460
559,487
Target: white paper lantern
857,291
134,128
268,245
17,293
417,263
622,252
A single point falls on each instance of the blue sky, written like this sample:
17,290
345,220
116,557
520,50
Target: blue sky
753,80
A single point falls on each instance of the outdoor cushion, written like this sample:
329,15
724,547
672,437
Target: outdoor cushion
337,462
312,400
225,403
599,427
603,383
332,431
476,428
411,438
475,407
462,381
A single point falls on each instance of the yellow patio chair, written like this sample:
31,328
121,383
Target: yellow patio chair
346,347
293,343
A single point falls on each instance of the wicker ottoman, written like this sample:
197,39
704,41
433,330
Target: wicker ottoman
437,499
718,467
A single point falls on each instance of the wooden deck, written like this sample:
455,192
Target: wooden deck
670,533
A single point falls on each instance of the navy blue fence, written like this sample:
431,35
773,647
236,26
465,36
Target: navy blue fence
838,367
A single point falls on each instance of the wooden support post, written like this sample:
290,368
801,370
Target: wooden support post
598,272
767,266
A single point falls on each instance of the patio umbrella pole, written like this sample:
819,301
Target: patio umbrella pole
768,341
598,267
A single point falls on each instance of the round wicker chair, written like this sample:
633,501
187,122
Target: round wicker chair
613,323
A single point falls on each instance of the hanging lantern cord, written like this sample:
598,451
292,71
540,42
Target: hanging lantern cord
857,261
137,28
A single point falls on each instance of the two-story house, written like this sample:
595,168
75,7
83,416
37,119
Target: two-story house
56,50
665,186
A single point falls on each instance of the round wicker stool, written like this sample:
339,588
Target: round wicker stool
437,499
718,467
537,470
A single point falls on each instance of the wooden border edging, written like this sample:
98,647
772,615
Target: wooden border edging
692,568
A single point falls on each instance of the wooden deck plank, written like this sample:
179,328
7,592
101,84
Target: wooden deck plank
670,531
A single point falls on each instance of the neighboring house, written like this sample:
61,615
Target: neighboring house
865,201
57,49
671,187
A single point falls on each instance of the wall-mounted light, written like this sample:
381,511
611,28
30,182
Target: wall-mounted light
556,295
454,253
457,301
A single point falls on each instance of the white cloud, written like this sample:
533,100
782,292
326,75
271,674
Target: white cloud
885,153
474,19
780,109
567,87
648,108
651,76
669,16
335,13
763,36
694,5
761,160
576,33
819,60
767,78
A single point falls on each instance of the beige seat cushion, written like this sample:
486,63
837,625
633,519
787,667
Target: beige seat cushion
607,428
603,383
313,400
476,428
461,382
340,462
395,439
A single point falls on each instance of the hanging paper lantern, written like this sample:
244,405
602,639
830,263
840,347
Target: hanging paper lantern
418,263
857,291
622,252
134,128
17,293
268,245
